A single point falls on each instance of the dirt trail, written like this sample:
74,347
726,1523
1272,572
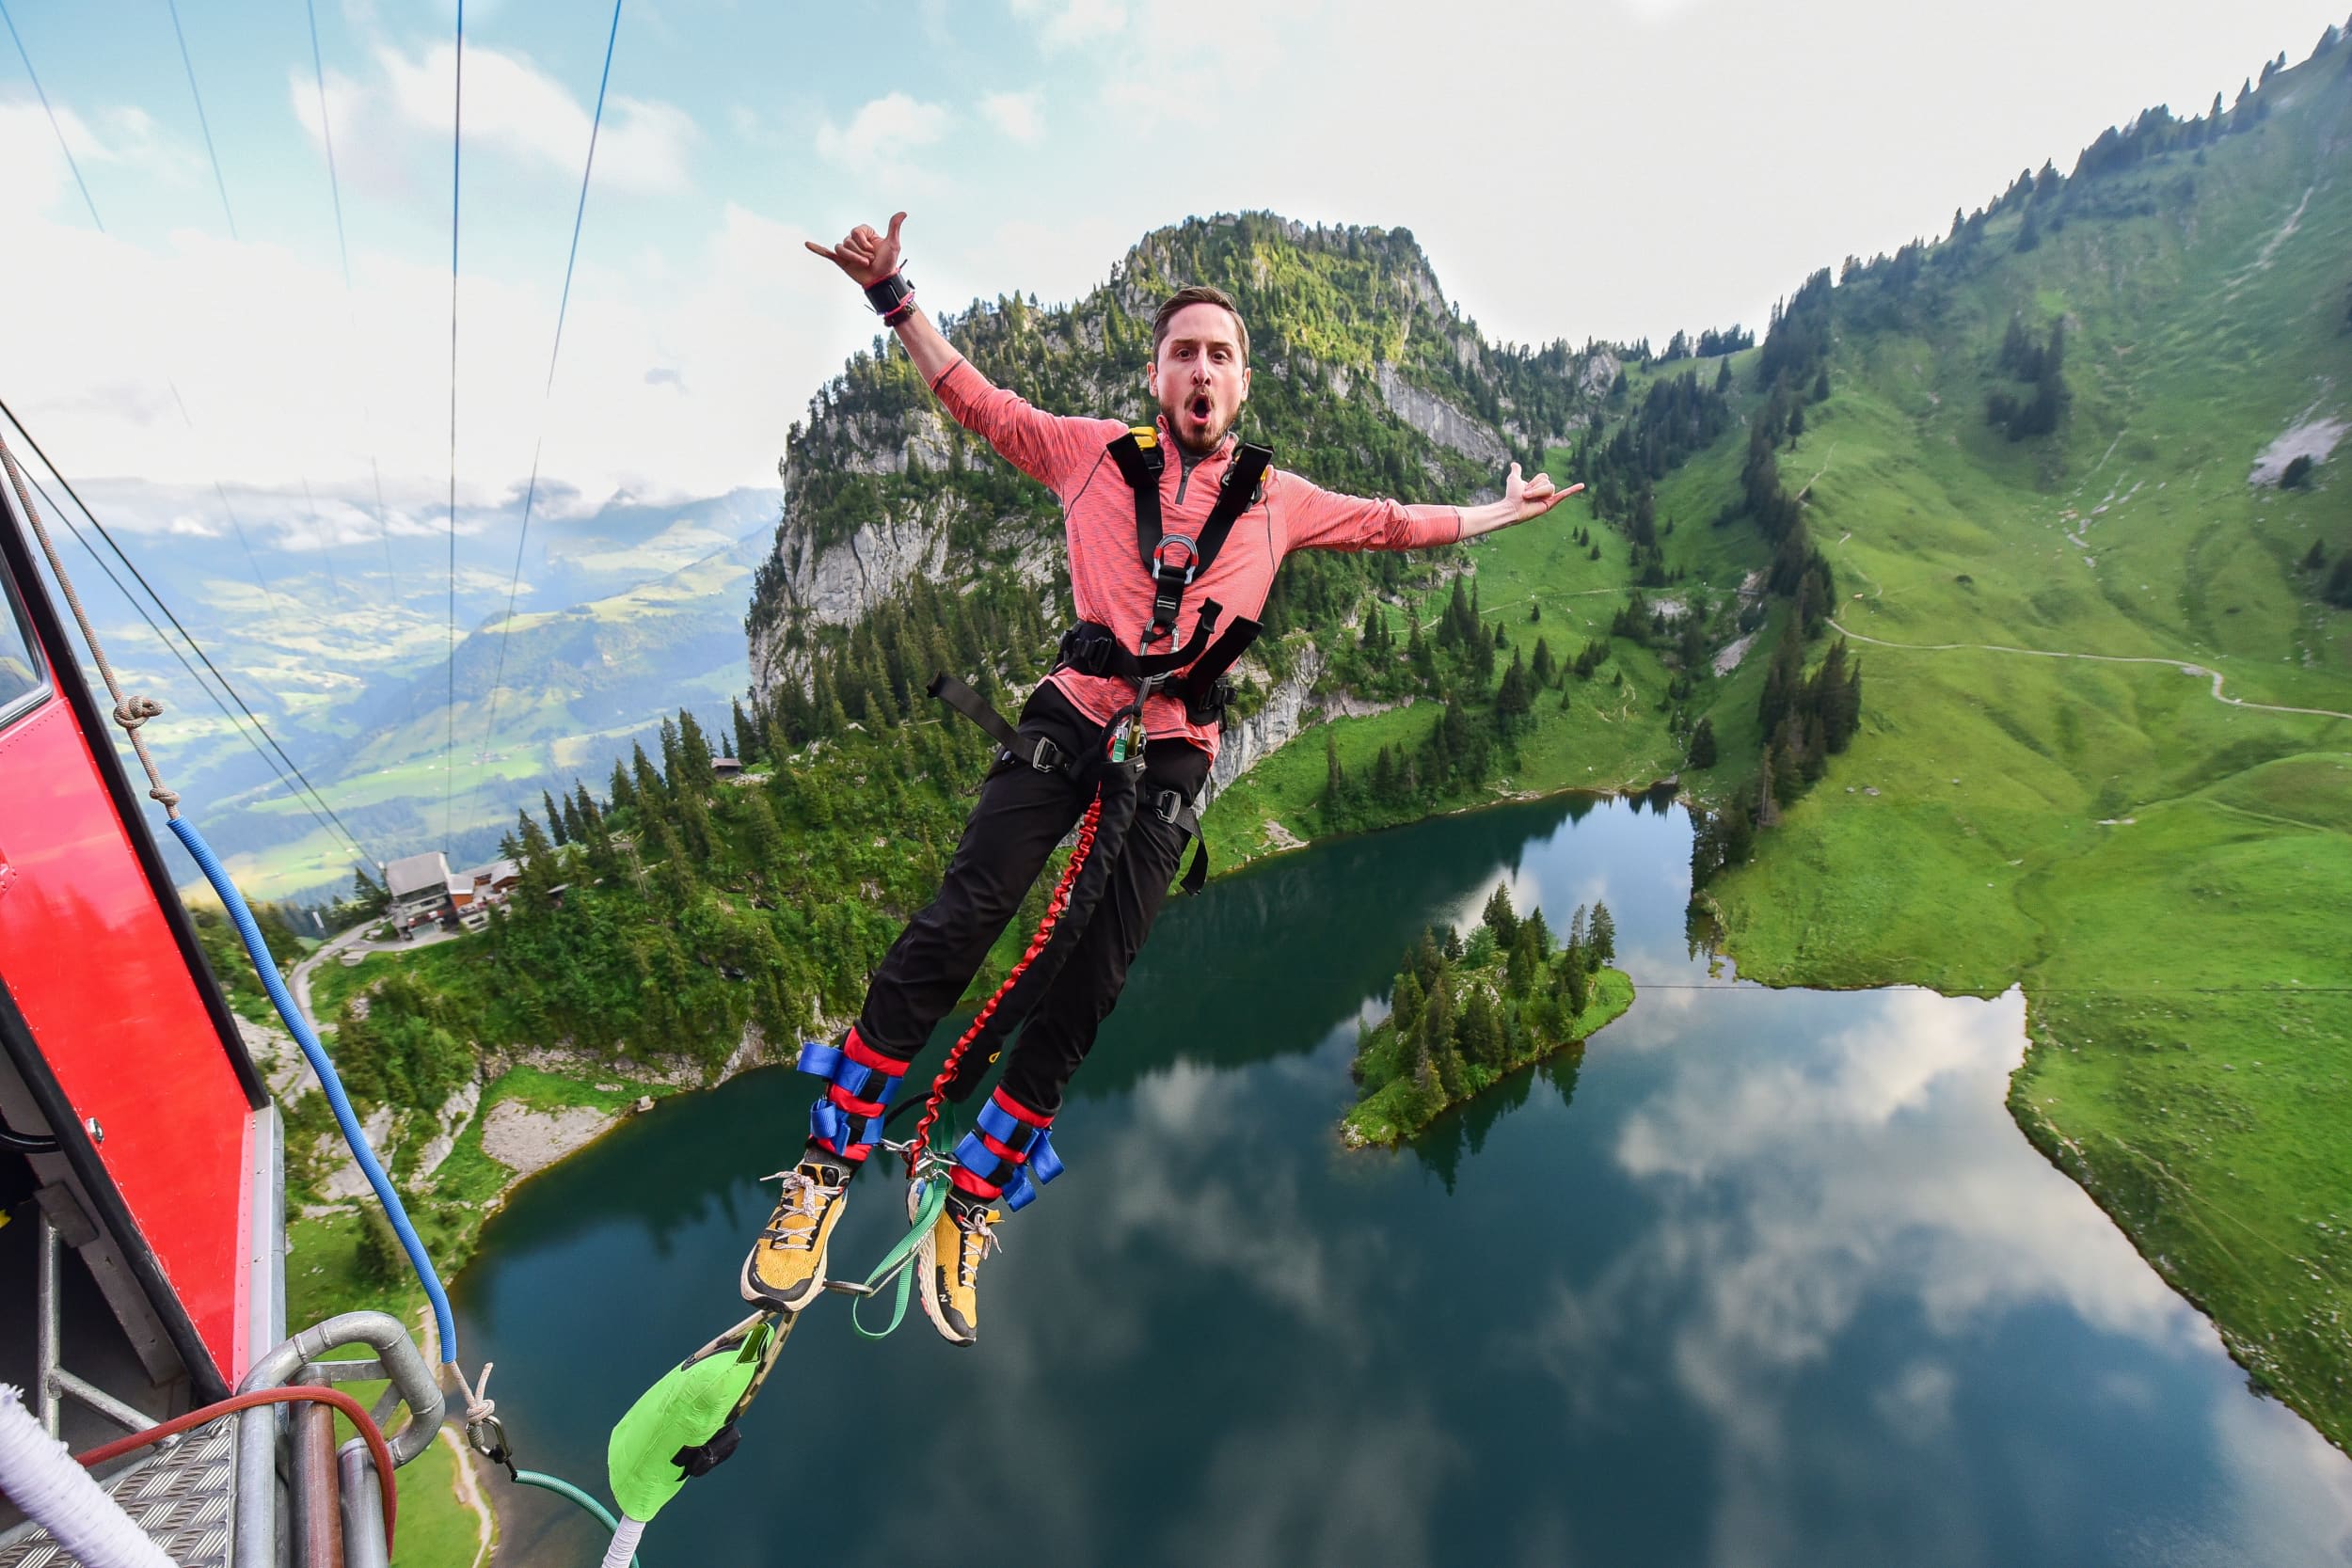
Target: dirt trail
2181,665
469,1494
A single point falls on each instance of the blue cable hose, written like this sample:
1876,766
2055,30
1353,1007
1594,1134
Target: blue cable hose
324,1065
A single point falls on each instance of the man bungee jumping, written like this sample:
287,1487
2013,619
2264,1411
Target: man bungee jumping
1121,734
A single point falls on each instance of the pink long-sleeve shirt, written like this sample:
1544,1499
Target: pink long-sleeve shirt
1071,457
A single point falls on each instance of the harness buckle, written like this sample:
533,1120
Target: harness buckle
1169,805
1047,758
1190,564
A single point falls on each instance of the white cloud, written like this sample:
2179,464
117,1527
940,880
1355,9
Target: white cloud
1067,23
274,361
881,132
1018,115
515,109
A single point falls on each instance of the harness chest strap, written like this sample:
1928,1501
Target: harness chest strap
1175,559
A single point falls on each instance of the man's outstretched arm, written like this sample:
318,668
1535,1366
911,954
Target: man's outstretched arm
1041,445
1325,520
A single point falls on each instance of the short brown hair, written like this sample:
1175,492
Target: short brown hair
1198,294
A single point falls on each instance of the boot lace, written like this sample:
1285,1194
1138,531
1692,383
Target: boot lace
802,1195
980,1241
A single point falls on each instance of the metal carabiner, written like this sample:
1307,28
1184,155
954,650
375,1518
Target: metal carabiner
486,1436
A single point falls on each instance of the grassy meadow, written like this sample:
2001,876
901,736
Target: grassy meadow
2167,876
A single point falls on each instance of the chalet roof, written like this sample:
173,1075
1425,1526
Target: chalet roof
413,874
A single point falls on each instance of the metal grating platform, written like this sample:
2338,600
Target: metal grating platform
181,1498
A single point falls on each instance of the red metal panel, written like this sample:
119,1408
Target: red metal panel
90,962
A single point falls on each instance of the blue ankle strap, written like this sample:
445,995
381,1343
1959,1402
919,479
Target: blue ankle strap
841,1128
1017,1180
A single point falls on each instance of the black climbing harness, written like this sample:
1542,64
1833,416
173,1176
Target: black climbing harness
1193,671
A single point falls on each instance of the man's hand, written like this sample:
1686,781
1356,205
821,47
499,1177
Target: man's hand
1531,498
866,256
1523,501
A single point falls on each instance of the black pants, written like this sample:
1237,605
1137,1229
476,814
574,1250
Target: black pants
1022,813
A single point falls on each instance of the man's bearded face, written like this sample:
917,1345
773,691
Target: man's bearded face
1198,375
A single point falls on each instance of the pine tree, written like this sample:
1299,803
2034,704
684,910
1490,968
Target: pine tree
1576,980
673,763
1540,667
574,825
746,733
1703,744
1478,1034
622,793
1405,1004
556,818
652,795
1447,1057
1603,934
368,894
2339,589
674,875
1500,918
694,752
1515,696
764,836
1334,779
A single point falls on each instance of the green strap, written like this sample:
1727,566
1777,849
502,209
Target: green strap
899,1259
563,1488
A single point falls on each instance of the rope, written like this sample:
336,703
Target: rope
218,184
531,492
343,251
457,167
79,183
317,802
1045,934
83,185
625,1532
294,790
623,1547
346,1117
130,712
379,1451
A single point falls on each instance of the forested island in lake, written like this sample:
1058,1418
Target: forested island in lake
1464,1013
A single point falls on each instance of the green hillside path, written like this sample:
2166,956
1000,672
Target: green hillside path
2181,665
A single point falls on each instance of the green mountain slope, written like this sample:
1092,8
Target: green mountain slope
2168,874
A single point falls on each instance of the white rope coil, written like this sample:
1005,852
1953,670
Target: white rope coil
50,1486
624,1545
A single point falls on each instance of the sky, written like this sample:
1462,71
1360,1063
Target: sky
1579,168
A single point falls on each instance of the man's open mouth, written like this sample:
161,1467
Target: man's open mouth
1201,408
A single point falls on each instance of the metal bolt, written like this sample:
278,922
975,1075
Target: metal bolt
97,1133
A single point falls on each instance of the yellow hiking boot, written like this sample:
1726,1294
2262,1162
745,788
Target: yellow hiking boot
787,1266
947,1264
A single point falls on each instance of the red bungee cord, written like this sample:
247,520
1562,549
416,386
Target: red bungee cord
1054,907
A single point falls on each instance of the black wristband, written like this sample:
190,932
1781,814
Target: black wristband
888,295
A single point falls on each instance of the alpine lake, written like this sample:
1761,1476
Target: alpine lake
1754,1278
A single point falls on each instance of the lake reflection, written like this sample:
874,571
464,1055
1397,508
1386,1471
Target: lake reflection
1764,1278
